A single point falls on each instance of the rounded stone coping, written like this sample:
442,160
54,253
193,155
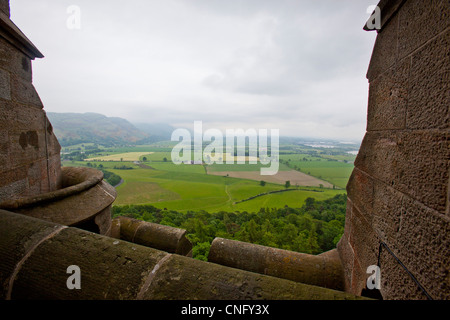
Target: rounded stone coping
165,238
35,255
74,181
320,270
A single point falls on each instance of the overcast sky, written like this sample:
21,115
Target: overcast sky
294,65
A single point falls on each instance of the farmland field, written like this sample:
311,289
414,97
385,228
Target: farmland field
333,169
242,167
295,178
182,190
128,156
149,177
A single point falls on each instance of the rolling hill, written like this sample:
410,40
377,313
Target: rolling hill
74,128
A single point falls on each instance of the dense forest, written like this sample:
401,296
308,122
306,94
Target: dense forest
314,228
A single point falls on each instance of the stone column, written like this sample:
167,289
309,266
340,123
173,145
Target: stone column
398,193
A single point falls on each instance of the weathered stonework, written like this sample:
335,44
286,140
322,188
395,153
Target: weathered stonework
397,209
398,193
4,7
29,161
324,270
165,238
33,182
36,253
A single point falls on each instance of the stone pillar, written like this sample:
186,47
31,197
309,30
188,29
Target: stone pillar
398,193
29,150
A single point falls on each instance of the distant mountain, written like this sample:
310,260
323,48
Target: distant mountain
157,131
74,128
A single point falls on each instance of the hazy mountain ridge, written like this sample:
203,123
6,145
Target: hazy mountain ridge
74,128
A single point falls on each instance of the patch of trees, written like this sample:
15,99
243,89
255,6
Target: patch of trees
262,183
67,142
79,155
112,178
123,167
314,228
74,156
86,137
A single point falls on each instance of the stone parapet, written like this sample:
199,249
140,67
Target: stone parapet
84,201
165,238
112,269
322,270
10,32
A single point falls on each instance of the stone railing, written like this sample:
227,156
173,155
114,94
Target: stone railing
84,201
323,270
165,238
36,256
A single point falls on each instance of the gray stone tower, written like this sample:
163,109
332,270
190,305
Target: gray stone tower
398,195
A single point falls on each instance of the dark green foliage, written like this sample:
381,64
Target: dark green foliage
112,178
314,228
123,167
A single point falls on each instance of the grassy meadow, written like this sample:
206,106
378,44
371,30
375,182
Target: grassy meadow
127,156
151,178
333,169
188,187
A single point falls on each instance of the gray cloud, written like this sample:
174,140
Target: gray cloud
294,65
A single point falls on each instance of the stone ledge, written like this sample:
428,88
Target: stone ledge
12,33
322,270
112,269
169,239
83,197
388,9
74,181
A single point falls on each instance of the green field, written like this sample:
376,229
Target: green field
334,169
186,187
242,167
219,200
159,182
127,156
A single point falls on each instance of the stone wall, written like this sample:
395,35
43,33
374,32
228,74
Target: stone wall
161,237
32,180
398,193
324,270
29,150
4,7
112,269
